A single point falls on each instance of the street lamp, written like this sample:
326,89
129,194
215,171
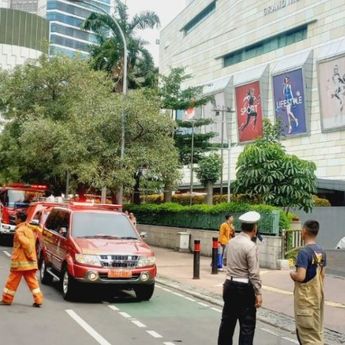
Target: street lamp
125,72
223,110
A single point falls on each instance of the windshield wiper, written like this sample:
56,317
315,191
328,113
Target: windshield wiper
128,238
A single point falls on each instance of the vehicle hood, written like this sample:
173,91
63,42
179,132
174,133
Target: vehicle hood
112,246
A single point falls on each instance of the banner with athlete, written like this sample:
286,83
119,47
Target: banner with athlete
289,102
249,111
331,75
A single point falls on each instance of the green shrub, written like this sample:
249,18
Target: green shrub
320,202
204,216
152,198
184,199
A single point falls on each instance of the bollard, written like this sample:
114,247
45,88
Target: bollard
214,255
196,260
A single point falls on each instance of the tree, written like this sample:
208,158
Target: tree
208,173
62,116
266,173
108,55
175,97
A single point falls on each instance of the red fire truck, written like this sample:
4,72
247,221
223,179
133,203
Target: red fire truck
15,197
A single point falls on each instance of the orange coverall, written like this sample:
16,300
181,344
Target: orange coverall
23,263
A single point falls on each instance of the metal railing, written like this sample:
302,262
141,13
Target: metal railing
292,241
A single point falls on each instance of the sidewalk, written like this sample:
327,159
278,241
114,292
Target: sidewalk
277,285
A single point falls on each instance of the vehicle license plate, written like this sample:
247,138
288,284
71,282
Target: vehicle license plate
119,274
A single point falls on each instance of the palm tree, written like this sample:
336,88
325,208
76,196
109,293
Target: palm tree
108,55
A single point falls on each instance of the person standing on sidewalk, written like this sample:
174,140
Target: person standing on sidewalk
309,294
242,287
23,262
226,233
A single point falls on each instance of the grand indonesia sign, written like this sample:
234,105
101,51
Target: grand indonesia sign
278,6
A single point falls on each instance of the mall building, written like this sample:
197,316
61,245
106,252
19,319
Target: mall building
278,59
24,36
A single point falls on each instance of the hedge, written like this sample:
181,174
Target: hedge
208,217
184,199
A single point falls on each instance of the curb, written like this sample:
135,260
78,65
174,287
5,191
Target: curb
273,318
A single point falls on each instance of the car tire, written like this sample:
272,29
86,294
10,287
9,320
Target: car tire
45,277
144,292
68,285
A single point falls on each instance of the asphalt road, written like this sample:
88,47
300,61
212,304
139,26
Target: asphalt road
170,318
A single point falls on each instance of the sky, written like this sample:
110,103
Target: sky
167,10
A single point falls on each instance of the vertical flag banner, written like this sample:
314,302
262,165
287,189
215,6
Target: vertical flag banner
249,111
189,114
289,102
332,93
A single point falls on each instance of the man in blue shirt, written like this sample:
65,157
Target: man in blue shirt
308,293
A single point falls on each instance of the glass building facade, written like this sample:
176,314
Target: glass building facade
66,18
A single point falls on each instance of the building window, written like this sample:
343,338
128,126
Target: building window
265,46
199,18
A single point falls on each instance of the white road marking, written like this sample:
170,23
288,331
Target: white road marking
154,334
6,253
113,307
273,289
203,304
335,304
165,289
269,331
139,324
291,340
168,343
83,324
125,315
217,310
285,292
178,294
189,299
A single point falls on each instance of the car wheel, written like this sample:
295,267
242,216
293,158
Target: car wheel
68,285
45,277
144,292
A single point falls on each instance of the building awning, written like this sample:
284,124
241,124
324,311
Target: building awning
291,62
331,184
330,50
249,75
216,86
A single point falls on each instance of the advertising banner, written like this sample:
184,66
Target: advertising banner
332,93
289,101
249,111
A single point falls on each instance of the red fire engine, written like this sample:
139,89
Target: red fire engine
15,197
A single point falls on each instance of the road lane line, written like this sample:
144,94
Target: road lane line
138,323
154,334
203,304
217,310
269,331
83,324
273,289
285,292
112,307
290,340
165,289
125,315
335,304
189,299
6,253
168,343
178,294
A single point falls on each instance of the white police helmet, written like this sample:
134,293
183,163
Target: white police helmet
250,217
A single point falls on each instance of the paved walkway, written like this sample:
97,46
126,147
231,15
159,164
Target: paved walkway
277,285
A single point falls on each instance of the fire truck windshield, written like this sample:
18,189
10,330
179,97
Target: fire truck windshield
19,198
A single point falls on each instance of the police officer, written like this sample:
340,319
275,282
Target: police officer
242,287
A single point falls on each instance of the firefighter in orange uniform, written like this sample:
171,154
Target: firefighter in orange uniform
23,262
